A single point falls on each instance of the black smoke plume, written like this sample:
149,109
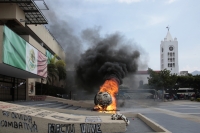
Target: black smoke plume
109,58
64,34
92,57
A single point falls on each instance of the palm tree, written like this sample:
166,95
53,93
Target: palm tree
61,68
56,69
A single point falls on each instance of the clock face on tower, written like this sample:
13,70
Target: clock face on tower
171,48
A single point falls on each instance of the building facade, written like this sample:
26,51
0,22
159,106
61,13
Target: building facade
26,45
169,54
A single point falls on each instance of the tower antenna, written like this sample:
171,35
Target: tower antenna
168,27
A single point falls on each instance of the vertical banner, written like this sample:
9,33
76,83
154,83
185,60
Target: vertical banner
49,56
42,65
31,58
14,49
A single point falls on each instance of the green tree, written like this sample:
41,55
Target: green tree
185,81
172,84
153,79
161,80
56,70
191,82
61,68
196,84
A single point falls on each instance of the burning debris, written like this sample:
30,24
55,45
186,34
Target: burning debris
105,99
102,100
118,116
105,65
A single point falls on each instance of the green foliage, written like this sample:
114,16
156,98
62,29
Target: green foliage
185,81
158,80
56,69
61,67
165,80
153,79
198,99
196,82
52,73
189,82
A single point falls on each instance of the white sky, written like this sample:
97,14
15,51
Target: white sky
144,21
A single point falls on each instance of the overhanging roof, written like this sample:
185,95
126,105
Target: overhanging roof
33,14
15,72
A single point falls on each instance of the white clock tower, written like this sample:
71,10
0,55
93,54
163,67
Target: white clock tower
169,54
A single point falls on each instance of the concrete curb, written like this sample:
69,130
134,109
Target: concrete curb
156,127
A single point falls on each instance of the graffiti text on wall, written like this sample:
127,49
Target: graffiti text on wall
26,121
90,128
70,128
61,128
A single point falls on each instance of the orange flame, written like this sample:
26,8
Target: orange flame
110,86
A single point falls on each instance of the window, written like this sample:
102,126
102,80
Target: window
169,64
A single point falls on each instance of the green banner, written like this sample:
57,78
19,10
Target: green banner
14,49
49,56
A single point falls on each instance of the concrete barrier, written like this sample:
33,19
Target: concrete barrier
23,119
153,125
156,127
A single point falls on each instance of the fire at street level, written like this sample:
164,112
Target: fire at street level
107,102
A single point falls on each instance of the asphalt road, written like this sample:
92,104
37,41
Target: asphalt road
176,116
